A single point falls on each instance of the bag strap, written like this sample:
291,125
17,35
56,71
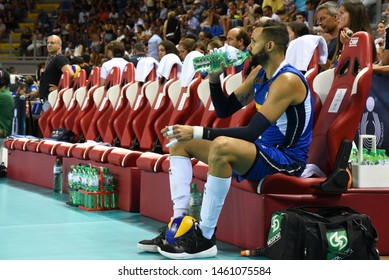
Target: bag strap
329,209
309,213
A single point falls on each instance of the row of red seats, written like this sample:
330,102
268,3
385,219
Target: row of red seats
249,204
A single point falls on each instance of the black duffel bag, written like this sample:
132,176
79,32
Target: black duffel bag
321,233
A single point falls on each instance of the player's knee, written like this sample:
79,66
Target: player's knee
219,150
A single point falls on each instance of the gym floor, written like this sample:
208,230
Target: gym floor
37,224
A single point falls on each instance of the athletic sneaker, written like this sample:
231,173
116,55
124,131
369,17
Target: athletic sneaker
191,246
153,244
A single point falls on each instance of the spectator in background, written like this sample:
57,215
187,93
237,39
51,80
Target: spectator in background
153,43
96,48
379,41
114,52
25,40
268,12
300,17
185,47
205,37
385,55
190,23
232,19
296,29
166,47
352,15
172,28
214,44
326,18
139,53
238,38
200,47
86,64
275,5
6,105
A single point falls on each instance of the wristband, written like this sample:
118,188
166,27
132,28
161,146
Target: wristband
198,132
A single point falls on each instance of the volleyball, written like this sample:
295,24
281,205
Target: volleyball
76,69
179,227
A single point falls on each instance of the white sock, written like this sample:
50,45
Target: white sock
215,192
180,176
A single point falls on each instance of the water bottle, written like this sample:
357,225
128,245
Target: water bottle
259,251
365,157
195,202
108,180
230,56
353,159
57,175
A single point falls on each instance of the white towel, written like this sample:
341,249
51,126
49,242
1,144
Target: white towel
312,170
188,71
144,68
166,64
300,51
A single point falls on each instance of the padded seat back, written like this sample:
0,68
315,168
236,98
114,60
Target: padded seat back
131,122
119,103
161,108
56,105
342,109
72,106
84,99
97,124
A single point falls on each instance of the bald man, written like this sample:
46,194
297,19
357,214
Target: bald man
56,65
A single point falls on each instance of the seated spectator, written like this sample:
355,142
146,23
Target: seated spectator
232,19
296,29
25,40
166,47
114,52
139,53
200,47
185,47
379,41
268,12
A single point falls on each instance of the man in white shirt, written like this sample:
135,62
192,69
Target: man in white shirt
153,43
115,52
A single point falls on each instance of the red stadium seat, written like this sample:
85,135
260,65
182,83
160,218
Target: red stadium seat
161,106
119,105
130,123
56,102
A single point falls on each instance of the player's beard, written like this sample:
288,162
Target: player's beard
260,58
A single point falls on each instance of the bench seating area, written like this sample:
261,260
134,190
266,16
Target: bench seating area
129,112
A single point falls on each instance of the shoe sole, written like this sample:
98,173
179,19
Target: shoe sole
211,252
148,248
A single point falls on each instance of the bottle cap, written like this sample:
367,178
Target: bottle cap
245,253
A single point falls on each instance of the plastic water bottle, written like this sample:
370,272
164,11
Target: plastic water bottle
259,251
353,159
195,202
57,175
230,56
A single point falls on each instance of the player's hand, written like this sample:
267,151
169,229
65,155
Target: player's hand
179,132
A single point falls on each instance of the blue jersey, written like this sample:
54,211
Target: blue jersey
292,132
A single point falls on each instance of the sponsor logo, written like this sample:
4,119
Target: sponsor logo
353,42
371,124
337,243
275,230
